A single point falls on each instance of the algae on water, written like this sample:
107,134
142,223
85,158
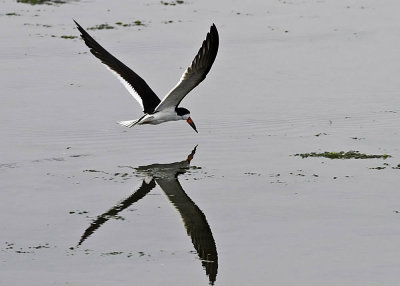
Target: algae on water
68,37
101,27
135,23
172,3
343,155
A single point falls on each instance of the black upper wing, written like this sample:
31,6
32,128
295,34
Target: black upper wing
133,82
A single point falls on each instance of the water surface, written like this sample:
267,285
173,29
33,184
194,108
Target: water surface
84,201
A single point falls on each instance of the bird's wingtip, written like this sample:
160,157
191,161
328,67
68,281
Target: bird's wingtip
213,28
77,24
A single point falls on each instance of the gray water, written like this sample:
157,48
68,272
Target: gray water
84,201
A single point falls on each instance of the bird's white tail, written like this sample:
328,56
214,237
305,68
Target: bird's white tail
128,123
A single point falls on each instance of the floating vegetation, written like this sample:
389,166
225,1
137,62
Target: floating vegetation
41,2
378,168
101,27
68,37
30,249
297,174
78,212
115,177
37,25
121,174
252,174
320,134
172,3
39,246
343,155
94,171
135,23
12,14
386,166
239,13
112,253
9,245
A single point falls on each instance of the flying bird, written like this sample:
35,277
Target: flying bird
158,111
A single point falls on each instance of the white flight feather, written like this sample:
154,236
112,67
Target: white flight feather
192,76
180,90
128,123
128,87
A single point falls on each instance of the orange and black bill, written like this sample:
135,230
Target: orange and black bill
191,123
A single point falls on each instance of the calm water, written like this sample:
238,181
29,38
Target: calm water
84,201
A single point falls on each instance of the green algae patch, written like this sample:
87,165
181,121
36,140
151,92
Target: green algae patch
101,27
68,37
343,155
172,3
135,23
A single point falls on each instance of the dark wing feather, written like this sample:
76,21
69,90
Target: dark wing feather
144,189
133,82
194,74
195,223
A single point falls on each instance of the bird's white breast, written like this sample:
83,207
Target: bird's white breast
160,117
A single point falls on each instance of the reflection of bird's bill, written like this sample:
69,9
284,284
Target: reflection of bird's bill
150,172
191,123
191,155
194,220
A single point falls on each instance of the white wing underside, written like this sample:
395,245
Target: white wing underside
195,73
188,81
128,87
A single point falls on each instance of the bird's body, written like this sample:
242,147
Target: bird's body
155,118
158,111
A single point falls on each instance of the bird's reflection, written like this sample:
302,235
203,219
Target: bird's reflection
194,220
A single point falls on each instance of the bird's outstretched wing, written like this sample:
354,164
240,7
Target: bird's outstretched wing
194,74
195,223
140,193
133,82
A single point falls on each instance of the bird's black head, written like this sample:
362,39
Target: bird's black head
185,114
182,111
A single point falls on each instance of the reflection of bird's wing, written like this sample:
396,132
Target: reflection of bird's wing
136,86
195,223
101,219
194,74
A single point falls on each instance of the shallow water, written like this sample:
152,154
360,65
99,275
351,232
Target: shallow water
84,201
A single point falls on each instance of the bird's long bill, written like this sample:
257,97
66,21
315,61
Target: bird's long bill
191,123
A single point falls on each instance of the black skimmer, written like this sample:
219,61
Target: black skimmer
157,111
